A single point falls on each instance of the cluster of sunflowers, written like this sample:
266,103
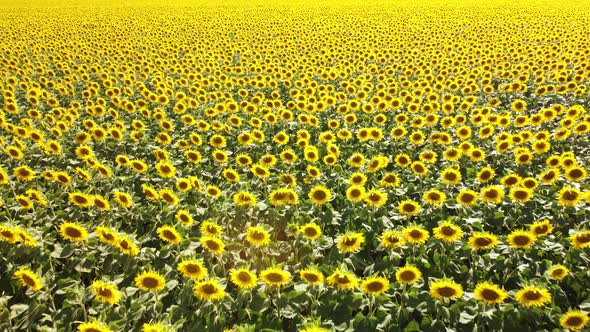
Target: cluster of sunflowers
300,166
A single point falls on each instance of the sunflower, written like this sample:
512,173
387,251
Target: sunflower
127,246
243,278
450,176
375,286
319,195
550,176
231,175
275,277
123,199
257,236
355,193
576,173
409,207
107,235
574,320
434,197
105,292
184,217
445,289
448,232
486,174
408,274
311,231
313,328
415,234
467,197
342,280
209,228
28,278
193,269
569,196
80,199
311,276
392,239
350,243
150,281
244,198
101,203
154,327
492,194
520,239
357,179
169,234
558,272
94,326
541,228
533,296
489,293
482,241
212,244
511,180
209,290
580,240
521,195
375,198
73,231
24,201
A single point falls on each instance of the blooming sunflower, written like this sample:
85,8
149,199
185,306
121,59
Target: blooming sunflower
243,278
80,199
311,231
169,234
355,193
448,232
209,290
574,320
482,241
520,239
489,293
375,286
193,269
184,217
350,243
29,279
409,207
375,198
569,196
434,197
541,228
127,246
275,277
445,289
450,176
244,198
311,276
209,228
521,194
150,281
408,274
319,195
257,236
73,231
467,197
123,199
212,244
168,196
392,239
105,292
533,296
415,234
558,272
342,280
580,240
492,194
94,326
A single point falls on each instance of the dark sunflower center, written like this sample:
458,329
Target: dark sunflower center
410,208
169,235
192,268
319,195
311,277
407,275
522,240
532,295
490,294
149,282
105,292
209,289
446,291
448,230
256,235
244,276
212,245
28,280
274,277
482,241
73,232
375,286
574,321
310,231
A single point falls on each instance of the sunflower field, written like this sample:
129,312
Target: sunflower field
294,165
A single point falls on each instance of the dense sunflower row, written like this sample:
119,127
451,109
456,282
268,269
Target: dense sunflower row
300,166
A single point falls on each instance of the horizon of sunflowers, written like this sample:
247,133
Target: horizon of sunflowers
294,165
